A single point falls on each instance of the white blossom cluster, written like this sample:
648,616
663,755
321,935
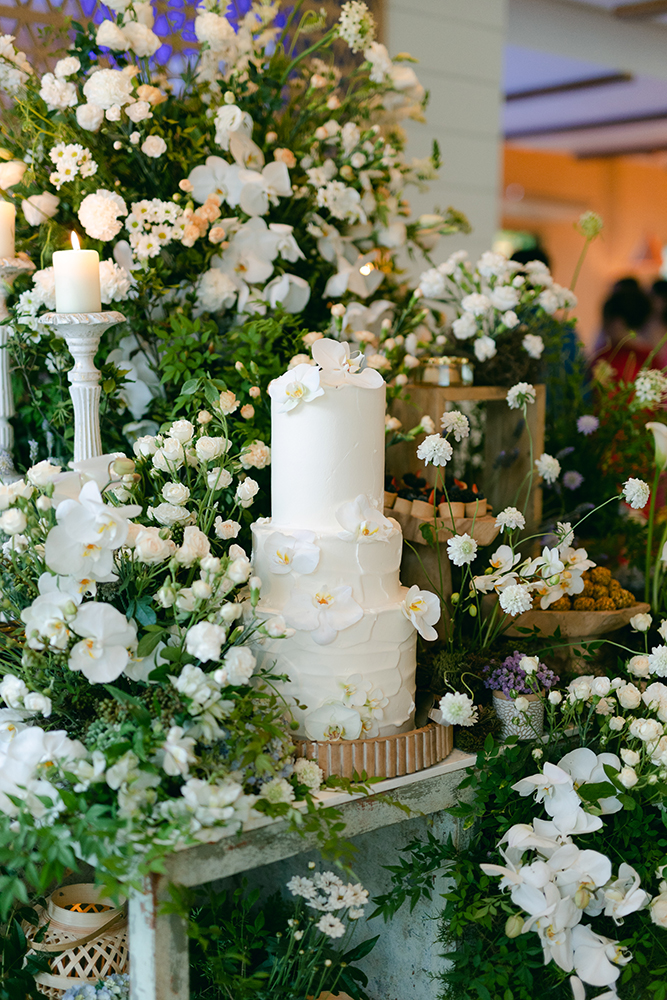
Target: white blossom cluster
328,894
70,160
486,298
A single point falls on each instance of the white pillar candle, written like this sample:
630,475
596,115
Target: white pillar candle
77,277
7,223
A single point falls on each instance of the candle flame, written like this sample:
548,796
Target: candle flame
75,242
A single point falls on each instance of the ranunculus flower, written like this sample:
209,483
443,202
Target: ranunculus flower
176,493
170,514
151,549
13,521
210,448
195,546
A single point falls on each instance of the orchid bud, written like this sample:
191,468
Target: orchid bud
472,611
338,310
123,466
514,925
455,598
582,898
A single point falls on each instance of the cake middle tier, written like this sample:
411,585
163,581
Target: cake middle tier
311,560
369,669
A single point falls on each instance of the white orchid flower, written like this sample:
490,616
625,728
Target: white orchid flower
333,721
579,991
300,384
361,522
576,869
339,368
553,787
503,559
107,637
216,176
622,896
597,959
355,276
422,608
295,553
586,767
324,614
291,291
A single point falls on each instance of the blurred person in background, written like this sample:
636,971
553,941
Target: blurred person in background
626,339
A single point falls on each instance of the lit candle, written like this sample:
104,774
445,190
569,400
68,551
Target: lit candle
77,275
7,222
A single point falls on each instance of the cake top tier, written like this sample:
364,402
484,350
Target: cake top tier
327,439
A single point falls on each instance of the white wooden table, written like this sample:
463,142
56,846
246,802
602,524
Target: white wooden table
159,968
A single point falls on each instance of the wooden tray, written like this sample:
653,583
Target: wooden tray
485,527
382,756
576,624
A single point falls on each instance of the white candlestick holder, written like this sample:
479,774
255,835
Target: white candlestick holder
10,268
82,332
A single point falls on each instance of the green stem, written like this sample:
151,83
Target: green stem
657,572
580,263
649,539
306,52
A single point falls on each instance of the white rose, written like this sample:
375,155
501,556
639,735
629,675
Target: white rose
145,446
13,521
149,548
111,36
153,146
630,757
600,686
139,111
226,529
246,490
228,402
555,697
204,641
89,117
176,493
170,514
257,455
40,207
38,704
12,691
43,473
11,173
521,704
143,41
641,623
628,777
529,664
638,666
617,723
195,546
218,479
646,730
170,456
239,570
629,696
209,448
658,909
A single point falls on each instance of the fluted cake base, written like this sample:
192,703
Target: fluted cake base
381,756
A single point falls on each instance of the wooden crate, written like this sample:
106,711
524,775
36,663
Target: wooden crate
505,430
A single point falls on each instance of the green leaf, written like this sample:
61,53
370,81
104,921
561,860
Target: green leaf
362,949
190,387
148,642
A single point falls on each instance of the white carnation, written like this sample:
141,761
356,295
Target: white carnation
115,282
99,212
108,87
58,94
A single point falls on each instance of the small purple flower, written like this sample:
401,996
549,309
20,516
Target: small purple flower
587,424
512,680
572,480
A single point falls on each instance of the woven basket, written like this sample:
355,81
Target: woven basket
89,933
381,756
513,722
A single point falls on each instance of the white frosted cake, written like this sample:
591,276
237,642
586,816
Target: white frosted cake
328,558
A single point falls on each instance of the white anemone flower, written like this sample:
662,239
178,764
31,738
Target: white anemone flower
107,637
362,522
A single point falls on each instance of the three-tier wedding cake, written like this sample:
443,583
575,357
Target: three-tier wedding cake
329,559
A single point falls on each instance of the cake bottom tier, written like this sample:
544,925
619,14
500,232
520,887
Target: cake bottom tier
369,669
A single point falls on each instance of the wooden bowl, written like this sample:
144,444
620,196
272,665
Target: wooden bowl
575,624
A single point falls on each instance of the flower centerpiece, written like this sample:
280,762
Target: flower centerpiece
255,184
517,684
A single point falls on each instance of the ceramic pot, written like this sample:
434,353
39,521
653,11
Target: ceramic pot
526,725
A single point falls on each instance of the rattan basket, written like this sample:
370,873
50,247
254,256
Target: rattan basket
90,934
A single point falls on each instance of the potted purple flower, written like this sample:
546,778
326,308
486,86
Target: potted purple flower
518,686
